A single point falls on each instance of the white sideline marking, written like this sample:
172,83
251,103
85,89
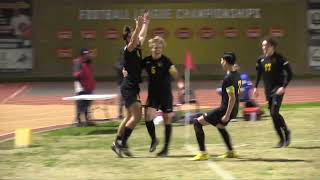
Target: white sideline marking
14,94
214,166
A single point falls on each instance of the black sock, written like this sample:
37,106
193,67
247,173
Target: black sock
126,134
283,124
151,130
168,130
200,135
277,127
226,138
118,138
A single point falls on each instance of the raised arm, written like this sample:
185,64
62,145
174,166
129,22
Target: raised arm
134,38
144,29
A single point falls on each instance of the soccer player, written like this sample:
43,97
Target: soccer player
160,71
221,116
130,85
277,74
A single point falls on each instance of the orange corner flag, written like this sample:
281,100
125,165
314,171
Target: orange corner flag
188,64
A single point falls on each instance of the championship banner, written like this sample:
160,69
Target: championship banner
15,36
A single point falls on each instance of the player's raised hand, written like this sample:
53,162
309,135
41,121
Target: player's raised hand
146,17
139,21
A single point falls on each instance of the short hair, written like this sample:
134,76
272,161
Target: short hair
156,39
229,57
126,31
270,40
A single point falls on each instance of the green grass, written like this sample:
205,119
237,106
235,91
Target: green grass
84,153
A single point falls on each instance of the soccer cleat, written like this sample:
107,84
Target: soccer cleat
229,154
280,144
116,148
288,138
153,145
125,150
163,153
200,157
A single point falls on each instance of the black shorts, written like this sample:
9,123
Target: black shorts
164,102
130,95
83,105
214,117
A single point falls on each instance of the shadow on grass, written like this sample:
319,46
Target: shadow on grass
102,131
312,147
169,156
272,160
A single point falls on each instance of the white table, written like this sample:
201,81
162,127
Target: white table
94,97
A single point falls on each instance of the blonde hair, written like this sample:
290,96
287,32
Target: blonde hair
156,39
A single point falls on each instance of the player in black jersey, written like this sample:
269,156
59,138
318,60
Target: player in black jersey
130,84
160,71
221,116
277,74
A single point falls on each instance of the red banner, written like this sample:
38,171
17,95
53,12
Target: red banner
64,34
111,34
254,32
230,32
206,33
276,32
184,33
64,53
88,34
159,31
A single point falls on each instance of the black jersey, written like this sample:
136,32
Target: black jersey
231,82
132,64
159,77
273,70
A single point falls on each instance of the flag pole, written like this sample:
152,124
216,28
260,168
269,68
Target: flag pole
187,100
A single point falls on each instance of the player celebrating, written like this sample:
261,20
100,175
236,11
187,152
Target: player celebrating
130,85
221,116
277,74
160,71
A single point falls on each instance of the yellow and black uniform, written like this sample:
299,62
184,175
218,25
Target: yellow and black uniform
276,73
159,83
231,84
130,85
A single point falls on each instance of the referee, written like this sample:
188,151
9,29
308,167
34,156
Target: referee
276,73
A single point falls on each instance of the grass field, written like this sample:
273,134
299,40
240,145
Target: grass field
84,153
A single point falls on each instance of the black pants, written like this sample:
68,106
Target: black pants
274,102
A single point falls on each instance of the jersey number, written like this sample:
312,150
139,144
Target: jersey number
267,67
239,86
153,70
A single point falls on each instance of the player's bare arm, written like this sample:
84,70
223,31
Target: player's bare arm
134,39
232,100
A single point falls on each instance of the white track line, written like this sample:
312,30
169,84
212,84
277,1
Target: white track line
14,94
213,166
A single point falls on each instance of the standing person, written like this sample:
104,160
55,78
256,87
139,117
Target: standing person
130,84
160,71
277,74
84,83
221,116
